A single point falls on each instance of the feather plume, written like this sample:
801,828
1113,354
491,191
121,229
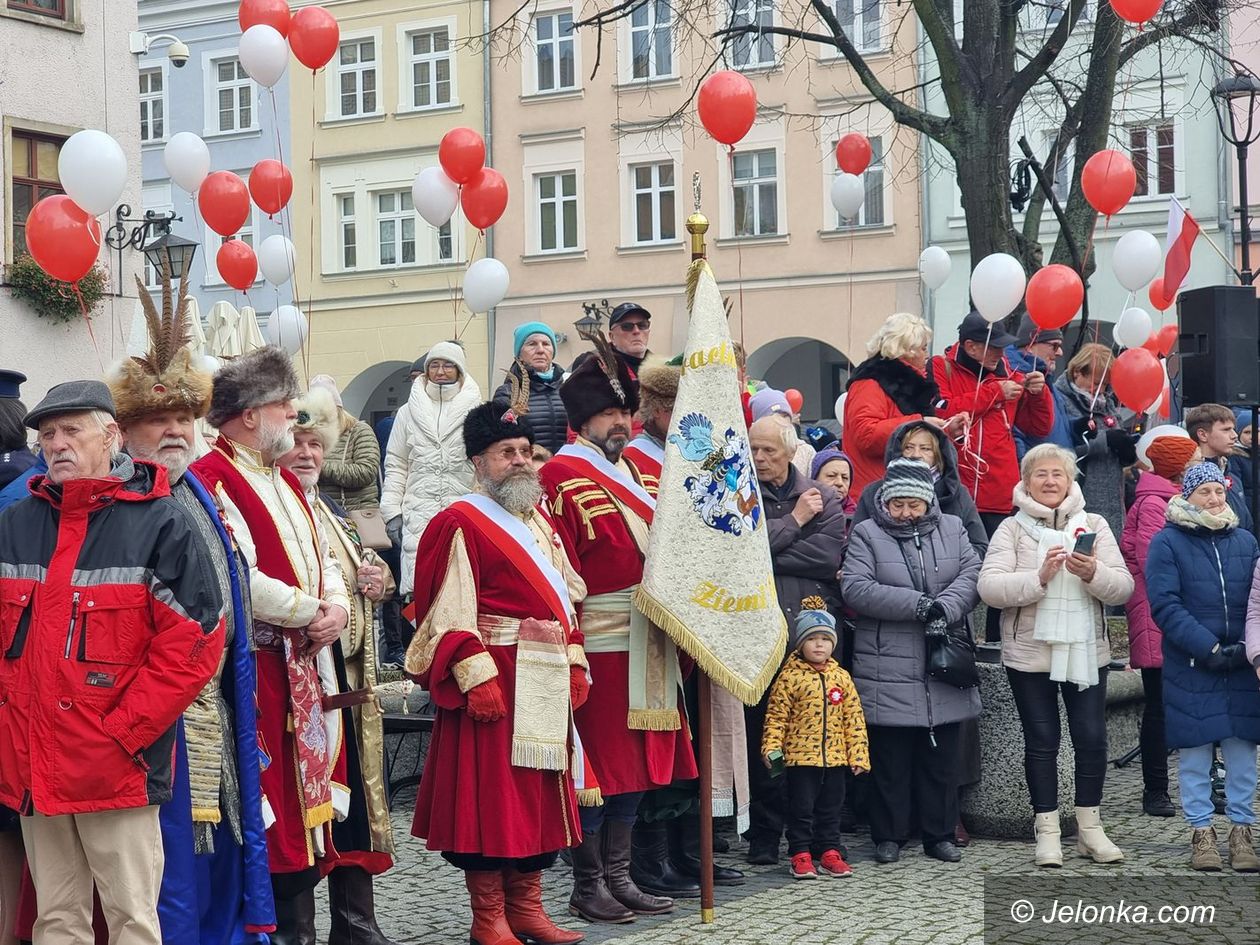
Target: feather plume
518,390
168,331
607,359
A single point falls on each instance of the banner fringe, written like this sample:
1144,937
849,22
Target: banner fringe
590,797
747,692
537,755
693,281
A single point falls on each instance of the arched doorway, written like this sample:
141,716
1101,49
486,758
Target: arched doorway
379,391
813,367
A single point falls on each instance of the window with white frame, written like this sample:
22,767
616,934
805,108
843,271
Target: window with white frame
356,77
346,234
654,192
396,228
557,211
1055,9
871,212
445,242
752,49
156,197
152,105
755,190
234,96
1153,150
431,65
862,22
651,40
555,66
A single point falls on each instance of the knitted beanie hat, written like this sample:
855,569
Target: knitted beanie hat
1243,420
1169,455
1198,474
907,479
523,332
812,619
768,401
823,457
451,351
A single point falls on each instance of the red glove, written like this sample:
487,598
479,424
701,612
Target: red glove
579,688
485,702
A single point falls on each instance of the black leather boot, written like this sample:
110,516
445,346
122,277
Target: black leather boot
591,899
684,851
295,920
617,844
352,908
650,866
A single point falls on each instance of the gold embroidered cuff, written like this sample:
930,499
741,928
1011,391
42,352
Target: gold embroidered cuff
577,656
475,670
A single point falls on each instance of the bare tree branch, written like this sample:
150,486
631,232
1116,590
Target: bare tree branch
1043,59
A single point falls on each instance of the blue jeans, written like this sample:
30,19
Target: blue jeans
1194,775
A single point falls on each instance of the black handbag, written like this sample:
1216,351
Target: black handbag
951,656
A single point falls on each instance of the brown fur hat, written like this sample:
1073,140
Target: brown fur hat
264,376
317,413
658,387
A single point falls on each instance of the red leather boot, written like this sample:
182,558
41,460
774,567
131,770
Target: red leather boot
525,912
490,924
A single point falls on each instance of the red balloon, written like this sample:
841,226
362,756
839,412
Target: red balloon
728,106
484,198
1137,378
273,13
1054,296
313,36
462,154
237,264
271,185
1166,339
1151,344
224,202
1136,11
63,238
1156,294
1108,181
794,398
853,153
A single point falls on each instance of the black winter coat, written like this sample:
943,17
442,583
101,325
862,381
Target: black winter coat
546,416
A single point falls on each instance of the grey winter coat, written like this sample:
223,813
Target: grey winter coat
805,559
546,415
888,568
950,494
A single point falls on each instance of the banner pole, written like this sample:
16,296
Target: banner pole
704,737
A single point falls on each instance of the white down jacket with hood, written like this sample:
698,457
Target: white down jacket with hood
425,466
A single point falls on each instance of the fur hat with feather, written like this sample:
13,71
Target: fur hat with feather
600,381
317,413
166,376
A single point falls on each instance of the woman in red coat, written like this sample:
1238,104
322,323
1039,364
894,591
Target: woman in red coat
888,389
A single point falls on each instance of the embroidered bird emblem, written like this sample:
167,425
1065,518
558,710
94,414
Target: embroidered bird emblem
694,438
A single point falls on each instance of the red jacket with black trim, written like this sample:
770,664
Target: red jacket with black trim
111,622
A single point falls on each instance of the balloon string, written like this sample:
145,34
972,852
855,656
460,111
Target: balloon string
739,251
87,320
458,294
1128,300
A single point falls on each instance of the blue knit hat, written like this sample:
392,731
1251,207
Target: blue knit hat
823,457
1242,420
1197,475
812,619
522,333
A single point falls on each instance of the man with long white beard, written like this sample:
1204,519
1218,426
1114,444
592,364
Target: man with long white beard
299,607
499,651
215,886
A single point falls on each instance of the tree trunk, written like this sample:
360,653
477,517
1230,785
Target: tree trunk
983,173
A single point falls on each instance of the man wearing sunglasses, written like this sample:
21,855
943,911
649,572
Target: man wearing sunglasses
1038,349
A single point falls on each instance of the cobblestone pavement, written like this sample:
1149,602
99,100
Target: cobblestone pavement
918,900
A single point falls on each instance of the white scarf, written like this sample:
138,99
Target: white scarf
1065,616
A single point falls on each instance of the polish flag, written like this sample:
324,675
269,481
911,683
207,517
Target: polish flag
1182,232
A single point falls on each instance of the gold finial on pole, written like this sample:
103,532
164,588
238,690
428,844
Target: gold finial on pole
697,223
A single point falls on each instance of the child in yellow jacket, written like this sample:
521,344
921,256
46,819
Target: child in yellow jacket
814,719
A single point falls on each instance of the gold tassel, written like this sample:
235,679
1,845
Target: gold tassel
693,280
590,797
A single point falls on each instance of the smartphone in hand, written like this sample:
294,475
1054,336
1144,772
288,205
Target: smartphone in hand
1084,543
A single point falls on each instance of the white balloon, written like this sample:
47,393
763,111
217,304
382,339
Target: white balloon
435,196
1133,328
1151,435
187,160
997,285
287,328
277,259
840,401
209,364
934,267
1136,259
93,170
847,193
485,284
264,54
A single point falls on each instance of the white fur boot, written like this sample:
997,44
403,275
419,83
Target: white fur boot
1046,830
1091,841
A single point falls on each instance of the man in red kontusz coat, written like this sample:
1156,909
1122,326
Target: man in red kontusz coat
633,728
974,377
498,649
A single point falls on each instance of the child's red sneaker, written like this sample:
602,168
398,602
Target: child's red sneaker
803,867
833,864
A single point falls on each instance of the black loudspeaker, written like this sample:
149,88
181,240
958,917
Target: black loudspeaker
1220,345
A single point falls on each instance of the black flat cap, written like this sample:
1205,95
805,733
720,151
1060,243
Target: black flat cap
71,397
10,384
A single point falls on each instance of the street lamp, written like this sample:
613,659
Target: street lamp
593,318
152,235
175,251
1236,97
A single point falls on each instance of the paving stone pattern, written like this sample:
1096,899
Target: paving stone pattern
918,900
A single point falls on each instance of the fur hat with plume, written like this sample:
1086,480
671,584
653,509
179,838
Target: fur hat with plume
317,413
598,383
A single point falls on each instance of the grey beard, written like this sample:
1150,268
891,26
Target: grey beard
175,469
517,493
611,446
276,441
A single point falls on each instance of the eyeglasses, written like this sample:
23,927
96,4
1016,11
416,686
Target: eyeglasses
509,453
633,326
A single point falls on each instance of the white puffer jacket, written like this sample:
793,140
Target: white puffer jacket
425,466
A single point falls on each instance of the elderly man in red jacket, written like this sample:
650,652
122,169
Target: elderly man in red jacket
974,377
111,622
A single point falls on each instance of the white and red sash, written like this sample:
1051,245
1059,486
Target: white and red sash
586,461
646,455
513,537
